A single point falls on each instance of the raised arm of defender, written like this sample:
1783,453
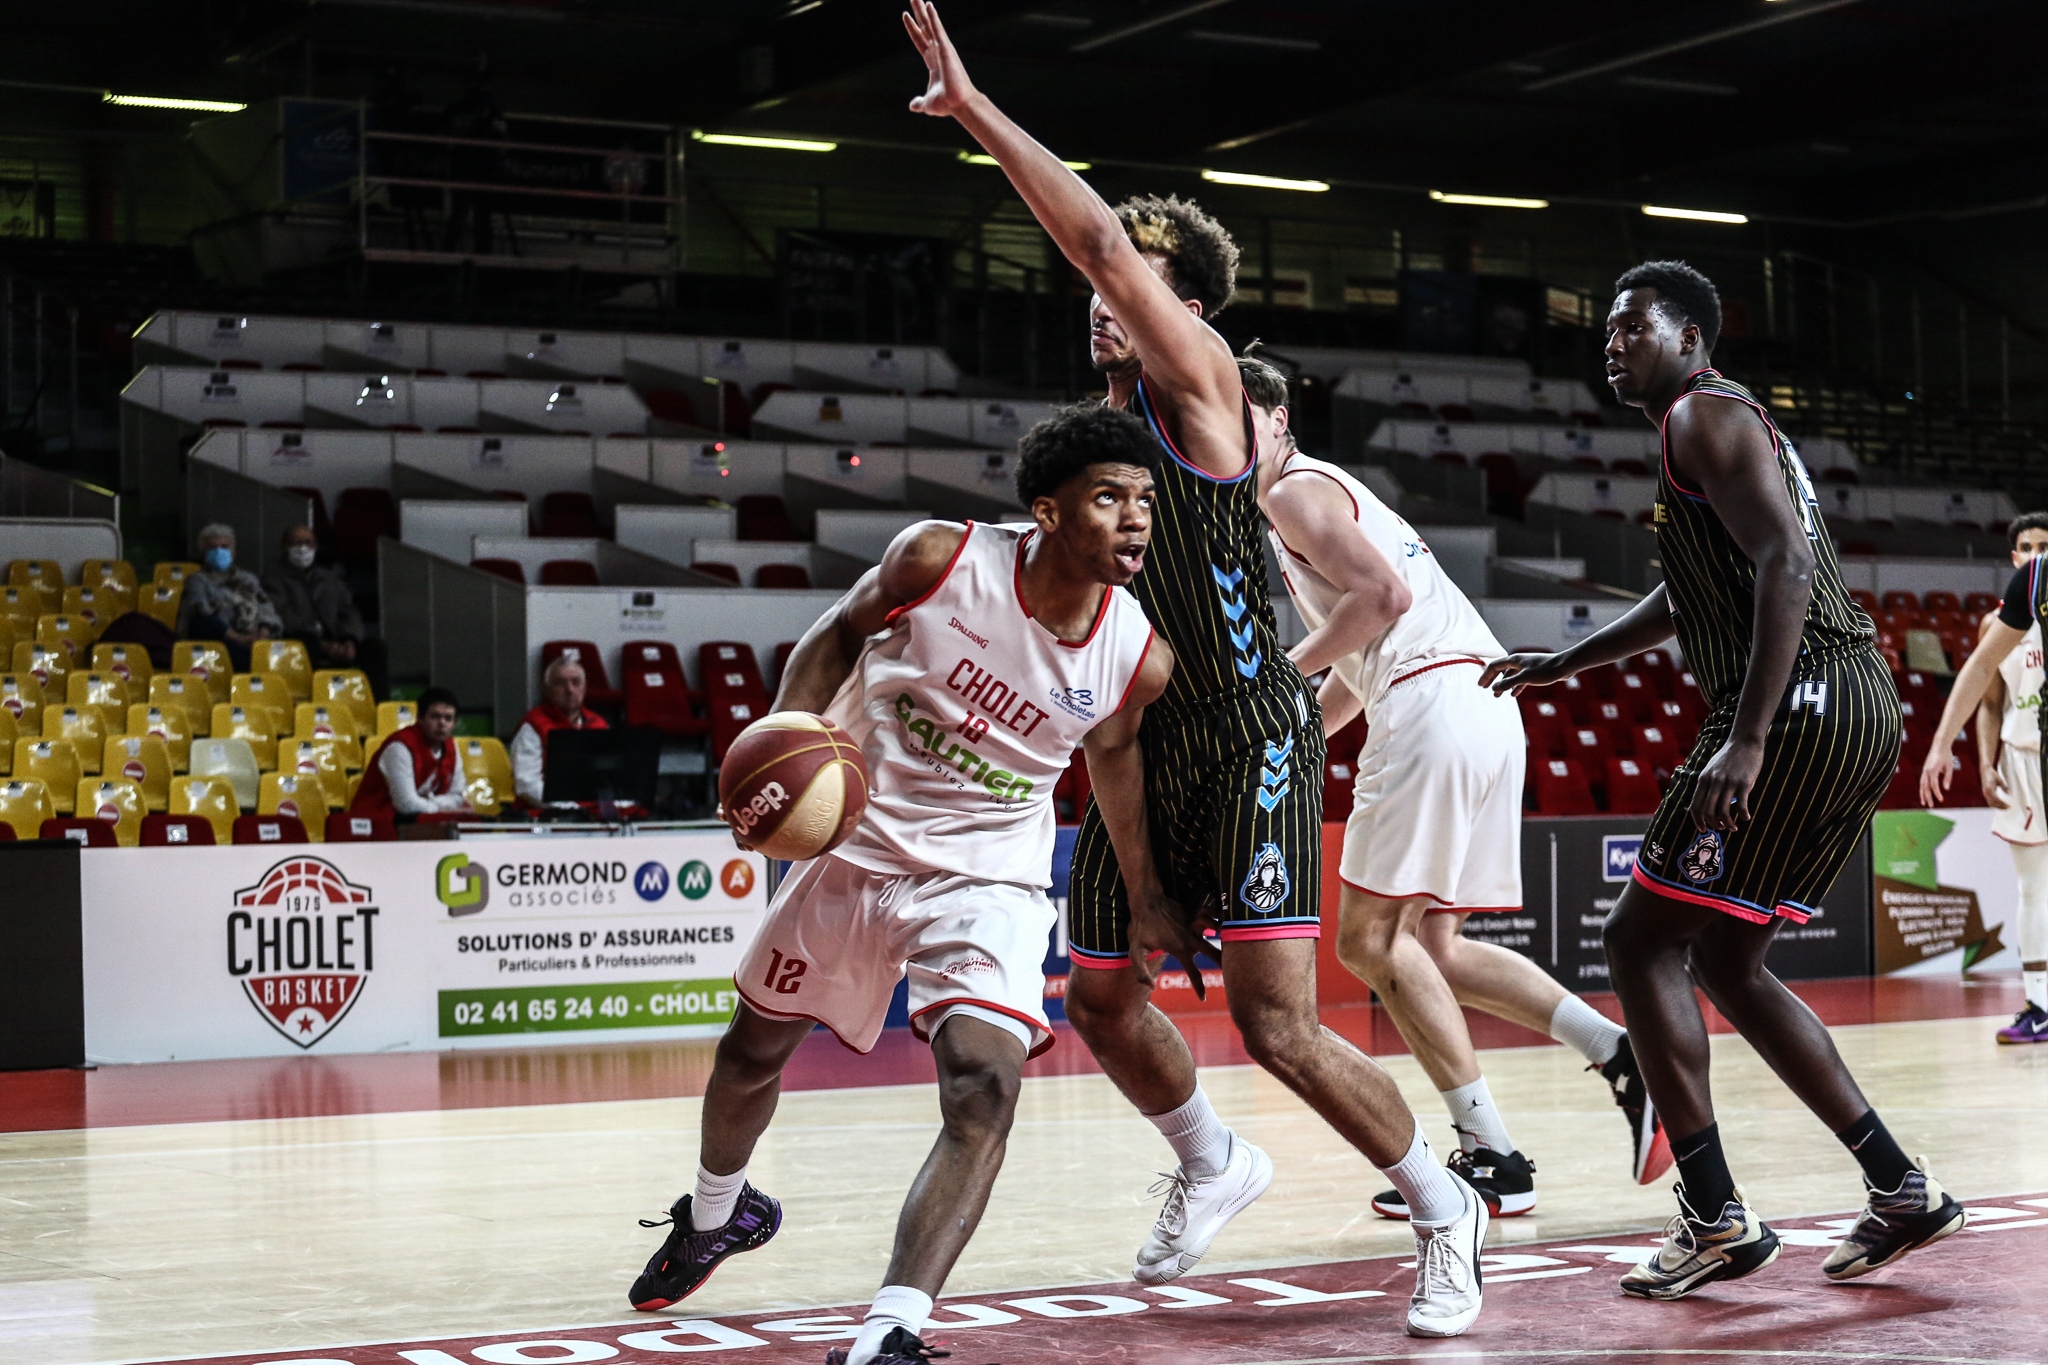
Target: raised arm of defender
1190,363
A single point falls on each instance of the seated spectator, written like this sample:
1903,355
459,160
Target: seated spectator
418,771
225,603
314,603
562,685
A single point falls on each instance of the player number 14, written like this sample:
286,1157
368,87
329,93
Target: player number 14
785,974
1814,694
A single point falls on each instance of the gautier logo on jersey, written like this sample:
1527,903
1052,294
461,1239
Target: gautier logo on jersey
931,735
302,943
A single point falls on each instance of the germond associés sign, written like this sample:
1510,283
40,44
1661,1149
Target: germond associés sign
252,950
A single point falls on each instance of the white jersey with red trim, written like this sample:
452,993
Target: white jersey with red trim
2022,674
968,710
1440,626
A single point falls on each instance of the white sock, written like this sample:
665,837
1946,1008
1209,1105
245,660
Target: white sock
1430,1193
895,1306
1477,1118
1586,1030
2031,862
1197,1136
715,1198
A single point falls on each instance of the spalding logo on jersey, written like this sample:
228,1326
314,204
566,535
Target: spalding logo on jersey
1701,861
1267,884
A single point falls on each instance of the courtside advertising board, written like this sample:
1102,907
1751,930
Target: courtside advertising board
282,950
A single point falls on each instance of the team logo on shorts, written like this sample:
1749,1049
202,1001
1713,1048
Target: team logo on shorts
1701,861
1267,884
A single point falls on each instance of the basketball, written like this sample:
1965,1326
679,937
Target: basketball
793,785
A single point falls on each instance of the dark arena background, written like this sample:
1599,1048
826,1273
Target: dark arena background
632,333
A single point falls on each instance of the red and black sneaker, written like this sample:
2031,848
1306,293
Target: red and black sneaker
688,1257
1649,1144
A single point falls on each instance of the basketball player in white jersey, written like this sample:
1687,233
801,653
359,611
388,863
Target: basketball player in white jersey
1434,833
2009,761
967,666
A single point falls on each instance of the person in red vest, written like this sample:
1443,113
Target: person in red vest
562,685
417,772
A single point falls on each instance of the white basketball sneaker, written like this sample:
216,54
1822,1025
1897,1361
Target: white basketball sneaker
1197,1210
1447,1270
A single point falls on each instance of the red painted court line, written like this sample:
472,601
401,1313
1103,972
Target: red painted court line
1966,1299
311,1086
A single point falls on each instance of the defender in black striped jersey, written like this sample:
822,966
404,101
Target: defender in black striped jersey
1801,740
1231,823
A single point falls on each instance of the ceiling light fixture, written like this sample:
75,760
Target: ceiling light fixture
1694,215
984,159
780,144
1265,40
1489,201
165,102
1265,182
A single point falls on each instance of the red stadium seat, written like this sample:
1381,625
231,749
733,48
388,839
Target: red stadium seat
1658,749
728,667
1865,599
569,514
503,568
1636,697
165,831
782,576
1575,697
1634,467
1601,680
569,573
1978,603
344,828
656,692
360,516
1658,668
782,653
1631,787
1338,776
598,692
269,829
1561,788
1942,600
762,516
85,830
1548,728
1899,600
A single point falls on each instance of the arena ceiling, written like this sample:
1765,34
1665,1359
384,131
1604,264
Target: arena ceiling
1830,111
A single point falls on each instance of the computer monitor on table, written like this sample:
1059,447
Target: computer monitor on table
616,766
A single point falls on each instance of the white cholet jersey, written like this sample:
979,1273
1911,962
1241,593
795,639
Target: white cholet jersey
967,711
1440,626
2022,675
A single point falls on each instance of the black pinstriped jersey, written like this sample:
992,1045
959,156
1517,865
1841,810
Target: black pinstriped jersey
1711,583
1204,583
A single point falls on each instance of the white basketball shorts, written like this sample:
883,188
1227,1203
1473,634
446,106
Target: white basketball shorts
2021,822
1436,807
838,938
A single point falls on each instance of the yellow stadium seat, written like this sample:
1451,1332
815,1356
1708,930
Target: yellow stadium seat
160,603
395,715
9,732
212,799
21,606
143,759
119,572
99,605
347,749
317,720
50,666
52,762
232,760
316,761
25,805
8,635
252,724
171,724
172,573
21,696
186,693
354,782
291,794
104,693
484,759
265,690
350,685
44,578
130,663
72,634
82,726
115,799
206,660
289,660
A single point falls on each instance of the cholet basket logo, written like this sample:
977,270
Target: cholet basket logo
302,942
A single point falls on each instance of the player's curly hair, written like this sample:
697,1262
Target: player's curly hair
1199,254
1264,382
1066,443
1684,293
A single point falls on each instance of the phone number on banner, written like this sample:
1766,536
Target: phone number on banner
559,1009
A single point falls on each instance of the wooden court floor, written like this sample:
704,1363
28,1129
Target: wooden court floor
353,1206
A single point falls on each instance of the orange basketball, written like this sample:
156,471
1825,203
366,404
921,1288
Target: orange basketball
793,785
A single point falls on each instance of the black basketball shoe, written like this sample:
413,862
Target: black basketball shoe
1505,1180
1649,1145
688,1257
898,1348
1919,1211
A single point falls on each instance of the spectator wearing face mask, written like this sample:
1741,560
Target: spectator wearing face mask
225,603
314,603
